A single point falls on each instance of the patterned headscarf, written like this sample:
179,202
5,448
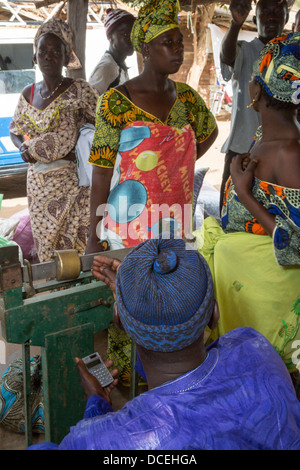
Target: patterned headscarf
156,17
62,30
278,68
115,18
165,294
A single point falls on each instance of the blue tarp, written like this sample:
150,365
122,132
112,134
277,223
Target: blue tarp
7,157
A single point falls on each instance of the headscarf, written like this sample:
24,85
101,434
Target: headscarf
155,18
116,17
62,30
278,68
165,294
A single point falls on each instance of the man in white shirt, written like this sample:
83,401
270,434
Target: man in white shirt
237,59
111,70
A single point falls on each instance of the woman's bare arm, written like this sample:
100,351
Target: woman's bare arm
99,194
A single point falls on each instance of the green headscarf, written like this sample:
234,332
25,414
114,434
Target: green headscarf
156,17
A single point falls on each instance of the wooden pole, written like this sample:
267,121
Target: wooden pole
77,17
200,22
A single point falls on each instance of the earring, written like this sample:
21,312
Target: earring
251,104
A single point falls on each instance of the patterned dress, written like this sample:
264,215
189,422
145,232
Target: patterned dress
58,207
257,277
282,202
115,111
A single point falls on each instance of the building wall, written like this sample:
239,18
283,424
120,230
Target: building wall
207,81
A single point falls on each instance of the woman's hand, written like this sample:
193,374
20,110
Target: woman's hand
26,155
245,160
243,182
240,10
105,269
71,156
242,173
91,385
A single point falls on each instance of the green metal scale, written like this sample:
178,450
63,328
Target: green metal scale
59,306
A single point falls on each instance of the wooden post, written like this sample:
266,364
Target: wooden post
200,22
27,392
77,17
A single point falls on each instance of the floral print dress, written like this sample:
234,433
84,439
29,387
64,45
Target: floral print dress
59,208
115,111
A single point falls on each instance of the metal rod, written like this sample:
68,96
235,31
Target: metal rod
27,391
133,375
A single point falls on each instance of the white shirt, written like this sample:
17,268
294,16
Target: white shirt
244,121
106,73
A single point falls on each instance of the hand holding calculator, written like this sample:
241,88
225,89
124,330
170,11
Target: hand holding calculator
96,367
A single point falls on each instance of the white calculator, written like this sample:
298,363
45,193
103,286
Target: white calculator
96,366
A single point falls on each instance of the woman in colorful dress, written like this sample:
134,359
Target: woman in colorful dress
148,134
50,114
255,256
151,97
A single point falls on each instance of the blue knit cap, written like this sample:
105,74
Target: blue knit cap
165,294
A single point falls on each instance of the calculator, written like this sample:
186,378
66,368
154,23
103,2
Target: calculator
96,367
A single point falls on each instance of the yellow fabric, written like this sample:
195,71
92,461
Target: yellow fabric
115,111
154,18
251,288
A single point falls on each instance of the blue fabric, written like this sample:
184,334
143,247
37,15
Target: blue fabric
155,298
241,397
139,367
164,312
166,262
96,406
12,397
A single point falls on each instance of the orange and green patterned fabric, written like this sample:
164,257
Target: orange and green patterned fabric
282,202
115,111
278,68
